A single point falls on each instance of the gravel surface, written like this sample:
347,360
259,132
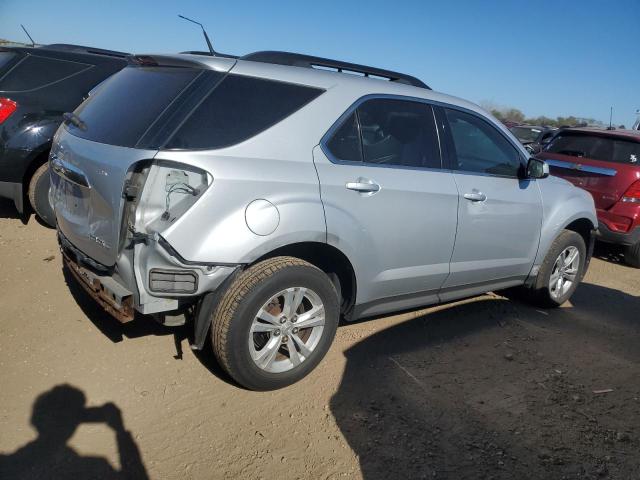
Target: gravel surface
484,388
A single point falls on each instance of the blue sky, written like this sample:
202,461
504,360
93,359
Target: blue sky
546,58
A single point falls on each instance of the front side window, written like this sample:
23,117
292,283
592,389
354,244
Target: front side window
480,148
385,131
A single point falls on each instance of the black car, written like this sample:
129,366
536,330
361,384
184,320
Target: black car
533,137
37,86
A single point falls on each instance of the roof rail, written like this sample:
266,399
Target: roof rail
308,61
66,47
208,54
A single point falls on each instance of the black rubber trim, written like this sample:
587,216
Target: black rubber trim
605,234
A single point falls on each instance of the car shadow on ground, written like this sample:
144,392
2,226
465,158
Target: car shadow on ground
493,388
8,210
142,326
56,415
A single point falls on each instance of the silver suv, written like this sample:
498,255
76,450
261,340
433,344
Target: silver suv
262,198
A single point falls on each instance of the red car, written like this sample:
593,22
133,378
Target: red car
606,163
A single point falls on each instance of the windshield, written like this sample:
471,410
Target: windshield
526,134
596,147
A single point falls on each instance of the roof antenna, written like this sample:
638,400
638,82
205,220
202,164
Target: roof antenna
206,37
33,44
610,119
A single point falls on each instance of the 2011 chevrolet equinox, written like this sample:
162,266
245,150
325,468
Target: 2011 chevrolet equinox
265,196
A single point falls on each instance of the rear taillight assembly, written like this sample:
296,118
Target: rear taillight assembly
633,193
169,191
7,107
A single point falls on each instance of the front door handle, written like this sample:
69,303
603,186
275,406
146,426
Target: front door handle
363,186
475,196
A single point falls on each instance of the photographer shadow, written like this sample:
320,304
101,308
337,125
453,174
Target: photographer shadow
56,415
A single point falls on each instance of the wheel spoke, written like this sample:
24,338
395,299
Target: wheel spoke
292,300
301,346
264,357
263,327
267,317
569,276
294,356
554,277
571,257
312,318
559,284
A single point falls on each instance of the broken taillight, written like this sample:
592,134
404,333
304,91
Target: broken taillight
7,107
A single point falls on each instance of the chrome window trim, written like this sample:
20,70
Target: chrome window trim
580,167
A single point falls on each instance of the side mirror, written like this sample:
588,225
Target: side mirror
537,168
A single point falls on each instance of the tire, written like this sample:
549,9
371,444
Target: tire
632,255
39,195
271,287
544,293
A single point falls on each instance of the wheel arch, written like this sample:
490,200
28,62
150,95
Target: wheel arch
326,257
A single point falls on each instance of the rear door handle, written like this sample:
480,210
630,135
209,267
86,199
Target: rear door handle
475,196
363,186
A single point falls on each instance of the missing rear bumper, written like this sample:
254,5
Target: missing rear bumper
110,295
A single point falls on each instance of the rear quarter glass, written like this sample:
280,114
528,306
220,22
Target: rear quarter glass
237,109
33,72
128,104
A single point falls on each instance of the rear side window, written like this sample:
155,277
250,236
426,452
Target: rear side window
239,108
128,103
388,132
36,72
596,147
479,147
345,143
399,132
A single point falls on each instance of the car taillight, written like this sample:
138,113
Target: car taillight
7,107
633,193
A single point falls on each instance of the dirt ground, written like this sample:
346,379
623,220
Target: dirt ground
485,388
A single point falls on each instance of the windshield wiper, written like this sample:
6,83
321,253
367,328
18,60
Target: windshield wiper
73,119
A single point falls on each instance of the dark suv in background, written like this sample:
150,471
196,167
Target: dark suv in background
37,86
533,137
607,164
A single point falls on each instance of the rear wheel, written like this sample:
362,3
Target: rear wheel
632,255
39,195
560,272
275,323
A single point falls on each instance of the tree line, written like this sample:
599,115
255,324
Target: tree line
509,114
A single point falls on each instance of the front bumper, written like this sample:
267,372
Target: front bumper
130,284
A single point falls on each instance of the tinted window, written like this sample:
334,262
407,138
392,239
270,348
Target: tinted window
526,134
128,103
398,132
479,147
35,72
607,149
6,57
345,142
239,108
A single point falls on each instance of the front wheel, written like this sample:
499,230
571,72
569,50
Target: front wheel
274,323
560,272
